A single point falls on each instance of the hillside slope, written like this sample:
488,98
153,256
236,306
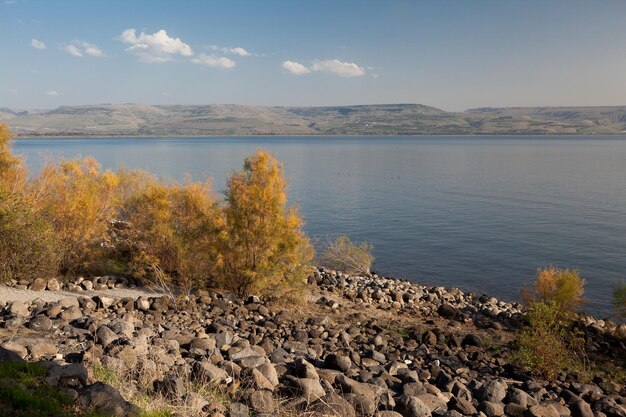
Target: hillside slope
388,119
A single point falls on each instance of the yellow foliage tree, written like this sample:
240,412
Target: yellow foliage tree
264,249
77,198
173,231
12,169
564,287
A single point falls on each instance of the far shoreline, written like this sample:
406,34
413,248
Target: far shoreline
512,135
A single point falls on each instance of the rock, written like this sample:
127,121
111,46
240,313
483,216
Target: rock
19,309
40,323
305,369
203,343
493,391
514,410
71,314
104,301
262,401
310,388
105,336
491,409
434,403
42,348
541,411
339,362
414,407
259,381
53,285
54,310
449,312
333,405
106,400
364,399
73,376
13,349
581,409
39,284
472,340
205,371
160,304
269,372
143,304
196,402
9,355
238,410
462,405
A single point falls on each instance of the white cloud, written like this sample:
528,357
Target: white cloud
337,67
239,51
228,50
156,47
52,93
73,50
295,68
37,44
80,49
214,61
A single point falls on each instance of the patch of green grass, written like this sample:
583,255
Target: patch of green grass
24,393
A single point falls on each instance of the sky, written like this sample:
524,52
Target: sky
453,55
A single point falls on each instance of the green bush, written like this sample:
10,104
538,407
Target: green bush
27,245
344,255
548,344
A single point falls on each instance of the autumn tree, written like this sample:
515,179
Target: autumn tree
78,199
172,233
264,249
12,170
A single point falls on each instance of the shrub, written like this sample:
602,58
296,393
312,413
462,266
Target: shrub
12,169
547,345
27,245
173,230
78,199
564,287
344,255
263,248
619,299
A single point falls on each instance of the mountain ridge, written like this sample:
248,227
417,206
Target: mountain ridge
371,119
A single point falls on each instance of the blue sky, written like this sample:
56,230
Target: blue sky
449,54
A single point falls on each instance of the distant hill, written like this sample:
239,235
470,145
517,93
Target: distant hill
387,119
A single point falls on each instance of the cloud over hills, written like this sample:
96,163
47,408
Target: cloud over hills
329,66
156,47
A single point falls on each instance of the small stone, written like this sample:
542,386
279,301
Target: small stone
472,340
40,323
53,285
39,284
19,309
262,401
42,348
491,409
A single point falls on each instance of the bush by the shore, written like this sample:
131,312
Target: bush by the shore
128,222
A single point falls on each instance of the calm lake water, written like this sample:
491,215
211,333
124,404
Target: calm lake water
479,213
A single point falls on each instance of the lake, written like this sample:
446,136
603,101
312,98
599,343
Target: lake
479,213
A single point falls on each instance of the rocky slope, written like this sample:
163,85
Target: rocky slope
388,119
360,346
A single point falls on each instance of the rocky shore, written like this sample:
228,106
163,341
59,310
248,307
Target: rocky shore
359,346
